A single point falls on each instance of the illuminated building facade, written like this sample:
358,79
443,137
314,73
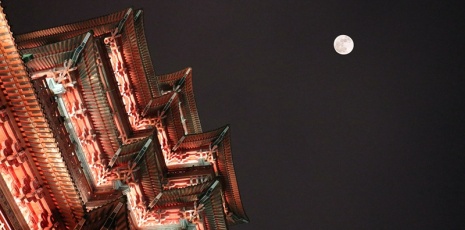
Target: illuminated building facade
91,138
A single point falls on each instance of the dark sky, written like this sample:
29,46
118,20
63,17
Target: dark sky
371,140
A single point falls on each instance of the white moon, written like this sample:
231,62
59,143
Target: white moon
343,44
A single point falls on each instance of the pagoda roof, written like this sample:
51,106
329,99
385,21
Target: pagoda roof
184,195
139,134
157,104
134,61
168,82
129,150
48,62
96,101
221,138
94,95
100,25
194,141
102,198
134,46
145,54
213,214
52,55
17,84
190,171
228,175
152,168
57,47
212,183
170,104
102,216
152,165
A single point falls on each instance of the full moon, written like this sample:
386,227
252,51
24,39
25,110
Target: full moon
343,44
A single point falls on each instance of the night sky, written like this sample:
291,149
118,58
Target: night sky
371,140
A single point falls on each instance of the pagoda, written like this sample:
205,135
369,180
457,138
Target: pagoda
92,138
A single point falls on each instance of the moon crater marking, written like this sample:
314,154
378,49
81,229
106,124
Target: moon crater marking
343,44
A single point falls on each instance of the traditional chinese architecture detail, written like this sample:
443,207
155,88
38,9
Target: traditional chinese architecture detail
91,138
